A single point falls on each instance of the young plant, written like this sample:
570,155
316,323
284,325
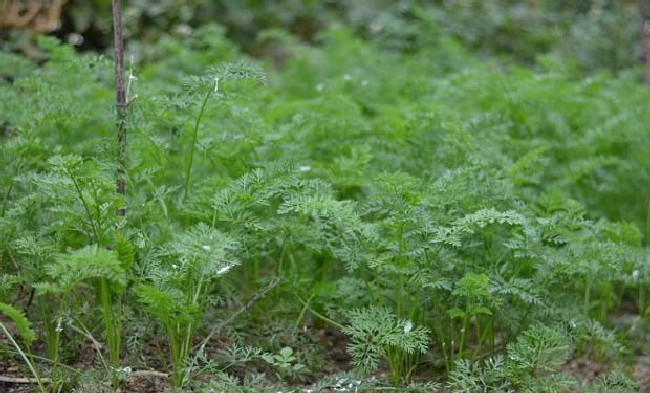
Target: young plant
473,289
473,376
285,363
533,359
82,205
182,274
24,331
376,335
227,71
103,271
530,365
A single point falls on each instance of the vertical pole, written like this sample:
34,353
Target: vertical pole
121,103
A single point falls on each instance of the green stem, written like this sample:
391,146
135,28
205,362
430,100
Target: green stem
303,312
647,224
394,364
324,318
93,225
641,302
6,198
26,357
251,273
452,354
19,165
195,135
174,331
587,296
463,332
400,293
112,324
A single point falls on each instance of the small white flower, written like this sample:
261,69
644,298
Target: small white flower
206,248
75,39
304,168
175,267
183,30
347,77
224,270
123,371
635,274
376,26
407,327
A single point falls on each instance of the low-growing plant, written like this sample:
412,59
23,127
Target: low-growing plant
377,335
529,365
285,363
105,275
181,277
228,71
24,331
473,289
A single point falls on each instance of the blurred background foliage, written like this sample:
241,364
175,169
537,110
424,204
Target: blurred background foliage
581,35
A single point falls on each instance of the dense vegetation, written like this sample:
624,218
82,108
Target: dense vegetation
468,225
579,34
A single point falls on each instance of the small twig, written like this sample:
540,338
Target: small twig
23,380
84,332
245,307
12,260
149,373
317,314
121,103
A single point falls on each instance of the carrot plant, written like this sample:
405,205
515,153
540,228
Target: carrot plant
445,217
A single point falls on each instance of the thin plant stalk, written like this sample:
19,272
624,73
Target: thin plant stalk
195,134
113,326
27,357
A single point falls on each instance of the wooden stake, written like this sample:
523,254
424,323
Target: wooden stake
121,103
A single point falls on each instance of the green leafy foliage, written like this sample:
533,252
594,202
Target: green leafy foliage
22,324
566,35
443,213
377,335
178,278
88,263
285,362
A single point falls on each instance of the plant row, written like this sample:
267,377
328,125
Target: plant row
476,220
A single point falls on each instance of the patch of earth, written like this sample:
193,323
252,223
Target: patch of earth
153,381
642,373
